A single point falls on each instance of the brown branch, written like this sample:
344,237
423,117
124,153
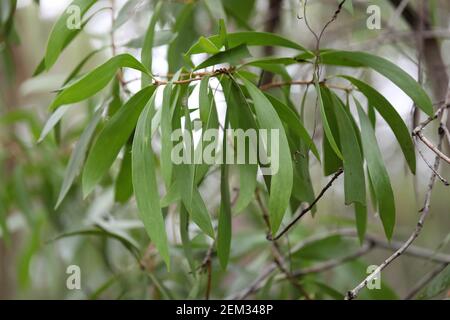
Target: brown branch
352,294
307,209
442,111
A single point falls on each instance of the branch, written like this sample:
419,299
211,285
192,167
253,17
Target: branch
307,209
443,130
352,294
370,242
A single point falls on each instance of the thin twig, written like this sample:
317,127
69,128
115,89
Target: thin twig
352,294
307,209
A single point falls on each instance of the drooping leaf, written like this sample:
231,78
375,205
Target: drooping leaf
281,181
378,173
145,184
54,118
361,220
78,156
326,102
393,119
354,182
243,120
123,189
112,138
391,71
224,227
184,234
293,123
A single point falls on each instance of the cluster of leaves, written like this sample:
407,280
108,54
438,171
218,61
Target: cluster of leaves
123,128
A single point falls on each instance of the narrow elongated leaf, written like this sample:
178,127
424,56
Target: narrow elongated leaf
78,156
112,138
166,143
325,121
204,102
231,56
391,116
224,227
391,71
378,173
147,53
186,242
247,171
354,182
199,213
361,220
281,181
293,123
124,184
63,32
96,80
145,184
52,122
249,38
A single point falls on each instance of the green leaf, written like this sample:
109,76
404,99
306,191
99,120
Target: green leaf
207,45
231,56
52,122
391,116
78,156
241,118
124,184
249,38
166,131
184,234
223,34
145,184
111,139
378,173
147,53
391,71
199,213
224,226
323,103
204,102
354,182
294,123
96,80
361,220
61,34
281,182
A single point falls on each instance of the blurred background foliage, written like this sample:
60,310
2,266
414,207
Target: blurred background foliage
105,237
